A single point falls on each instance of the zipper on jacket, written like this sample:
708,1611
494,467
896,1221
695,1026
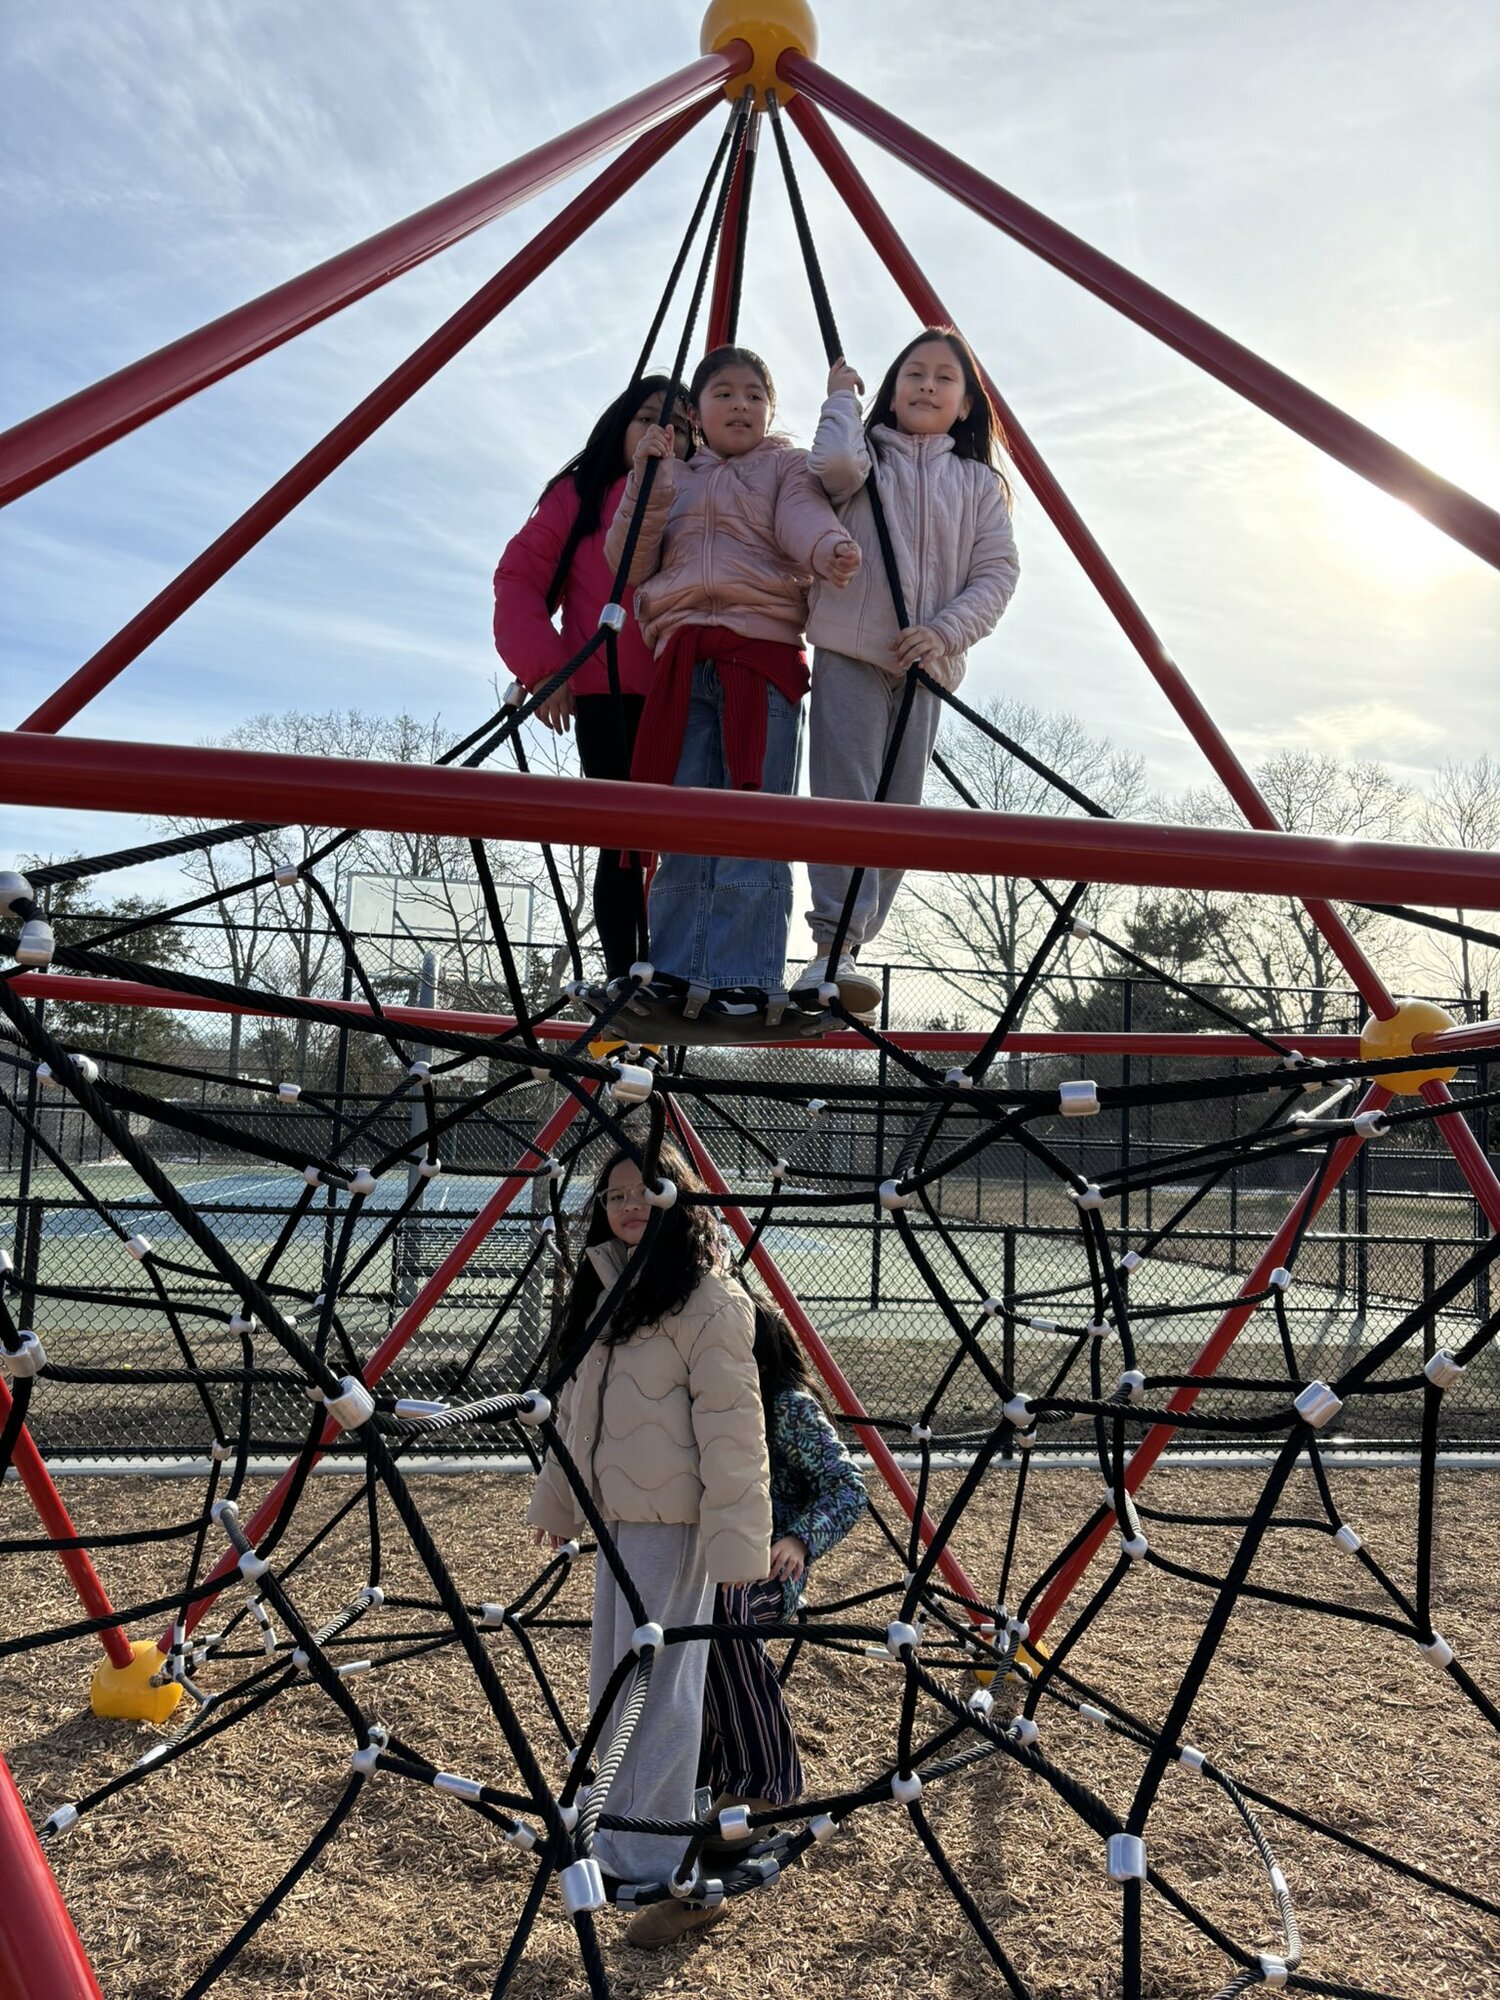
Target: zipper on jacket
708,522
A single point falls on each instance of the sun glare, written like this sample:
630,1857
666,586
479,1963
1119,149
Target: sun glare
1378,536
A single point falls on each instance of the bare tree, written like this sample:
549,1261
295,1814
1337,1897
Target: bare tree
980,932
278,936
1461,809
1269,944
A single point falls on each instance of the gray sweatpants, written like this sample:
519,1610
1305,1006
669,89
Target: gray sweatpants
854,710
660,1769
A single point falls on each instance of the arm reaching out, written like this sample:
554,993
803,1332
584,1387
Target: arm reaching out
840,455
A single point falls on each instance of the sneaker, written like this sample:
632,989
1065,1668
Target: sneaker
664,1922
858,991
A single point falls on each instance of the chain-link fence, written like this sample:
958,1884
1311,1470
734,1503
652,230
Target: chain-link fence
1388,1237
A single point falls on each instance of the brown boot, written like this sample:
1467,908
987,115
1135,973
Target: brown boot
664,1922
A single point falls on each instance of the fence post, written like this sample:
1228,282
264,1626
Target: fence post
1362,1228
410,1233
1008,1335
883,1068
29,1217
1429,1286
1482,1134
28,1154
1127,1071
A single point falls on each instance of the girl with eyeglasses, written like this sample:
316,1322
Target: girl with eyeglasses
662,1419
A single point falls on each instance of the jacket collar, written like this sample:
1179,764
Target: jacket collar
909,444
608,1259
706,456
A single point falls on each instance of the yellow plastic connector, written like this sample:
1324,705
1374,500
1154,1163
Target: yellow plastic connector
771,27
126,1693
1379,1041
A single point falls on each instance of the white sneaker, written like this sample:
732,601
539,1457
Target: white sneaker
858,991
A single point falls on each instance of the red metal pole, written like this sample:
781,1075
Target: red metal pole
41,1957
1042,1042
54,1518
1207,1361
823,1361
380,1360
1449,1041
361,423
1456,512
38,449
730,248
1137,628
1465,1148
182,780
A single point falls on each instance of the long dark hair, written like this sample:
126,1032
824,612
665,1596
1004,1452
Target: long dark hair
979,434
779,1361
596,468
684,1248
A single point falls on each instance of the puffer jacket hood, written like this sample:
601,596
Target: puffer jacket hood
728,541
950,529
667,1425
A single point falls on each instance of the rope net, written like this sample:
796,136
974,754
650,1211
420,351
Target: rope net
985,1660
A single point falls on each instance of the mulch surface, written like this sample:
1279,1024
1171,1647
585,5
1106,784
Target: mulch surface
417,1896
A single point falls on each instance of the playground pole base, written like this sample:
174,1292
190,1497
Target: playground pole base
126,1693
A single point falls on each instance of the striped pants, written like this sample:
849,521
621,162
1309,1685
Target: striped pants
749,1744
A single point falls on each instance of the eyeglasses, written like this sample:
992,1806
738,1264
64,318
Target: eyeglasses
618,1198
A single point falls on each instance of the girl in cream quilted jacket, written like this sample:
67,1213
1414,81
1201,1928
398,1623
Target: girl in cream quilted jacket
662,1426
929,444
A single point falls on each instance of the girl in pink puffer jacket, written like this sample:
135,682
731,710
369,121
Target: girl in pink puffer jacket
730,544
931,437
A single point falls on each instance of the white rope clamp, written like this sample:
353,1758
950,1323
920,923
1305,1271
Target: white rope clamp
899,1635
1442,1371
612,618
87,1068
1317,1405
352,1406
1078,1099
36,944
582,1887
632,1083
25,1362
363,1760
1125,1857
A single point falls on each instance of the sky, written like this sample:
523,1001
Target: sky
1318,178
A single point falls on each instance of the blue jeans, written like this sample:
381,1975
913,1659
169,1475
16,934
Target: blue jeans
716,921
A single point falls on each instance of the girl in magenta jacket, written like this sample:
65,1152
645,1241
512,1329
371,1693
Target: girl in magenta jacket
558,560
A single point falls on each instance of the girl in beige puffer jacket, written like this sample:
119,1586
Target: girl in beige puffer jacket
662,1423
929,442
